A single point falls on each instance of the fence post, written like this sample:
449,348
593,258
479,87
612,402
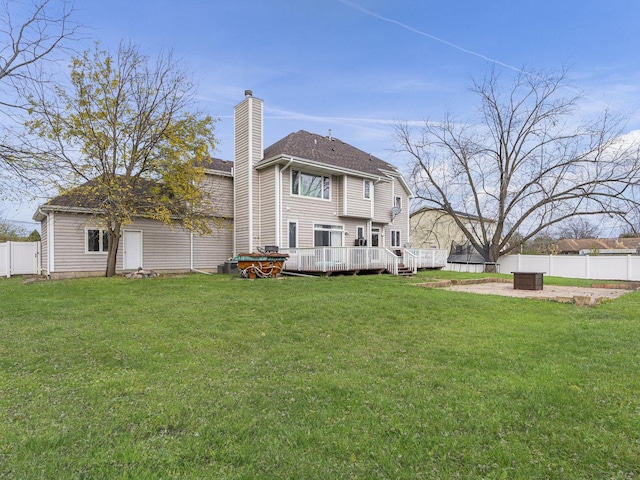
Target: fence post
586,267
9,258
7,255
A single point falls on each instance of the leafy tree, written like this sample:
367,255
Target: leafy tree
524,164
541,244
10,233
124,139
34,236
30,33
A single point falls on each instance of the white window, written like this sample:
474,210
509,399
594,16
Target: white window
360,232
97,240
395,238
367,189
309,185
397,202
327,235
293,234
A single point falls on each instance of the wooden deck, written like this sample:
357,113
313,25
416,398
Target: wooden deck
358,260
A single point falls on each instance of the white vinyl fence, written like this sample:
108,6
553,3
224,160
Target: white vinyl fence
19,258
596,267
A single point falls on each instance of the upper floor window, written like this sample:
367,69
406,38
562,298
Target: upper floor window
97,240
397,202
309,185
367,189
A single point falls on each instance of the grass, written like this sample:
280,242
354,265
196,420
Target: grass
341,377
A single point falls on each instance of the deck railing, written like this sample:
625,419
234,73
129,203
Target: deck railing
429,258
349,259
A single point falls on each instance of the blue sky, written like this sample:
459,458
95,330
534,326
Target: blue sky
357,67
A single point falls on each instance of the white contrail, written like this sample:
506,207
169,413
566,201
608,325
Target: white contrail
351,4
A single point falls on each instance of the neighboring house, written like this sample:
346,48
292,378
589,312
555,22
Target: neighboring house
599,246
306,191
435,228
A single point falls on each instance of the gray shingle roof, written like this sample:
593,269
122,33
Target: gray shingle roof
328,151
90,195
218,165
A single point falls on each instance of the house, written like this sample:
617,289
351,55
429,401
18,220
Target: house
435,228
599,246
310,195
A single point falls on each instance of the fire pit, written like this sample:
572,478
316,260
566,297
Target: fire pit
527,280
260,265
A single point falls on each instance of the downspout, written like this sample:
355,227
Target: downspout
278,209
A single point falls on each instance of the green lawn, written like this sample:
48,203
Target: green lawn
342,377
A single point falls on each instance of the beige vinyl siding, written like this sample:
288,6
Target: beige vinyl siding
308,211
163,248
435,228
256,156
268,207
401,221
209,251
383,201
242,170
69,239
256,125
248,151
356,204
218,190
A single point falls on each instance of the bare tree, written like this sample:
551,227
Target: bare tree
578,227
30,33
524,165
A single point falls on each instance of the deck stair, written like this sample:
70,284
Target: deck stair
405,271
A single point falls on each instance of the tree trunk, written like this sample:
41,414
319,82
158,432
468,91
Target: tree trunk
114,241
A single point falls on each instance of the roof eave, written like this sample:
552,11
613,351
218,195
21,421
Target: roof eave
221,173
288,159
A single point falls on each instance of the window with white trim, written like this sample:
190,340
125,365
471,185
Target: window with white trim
310,185
293,234
327,235
395,238
397,202
97,240
367,189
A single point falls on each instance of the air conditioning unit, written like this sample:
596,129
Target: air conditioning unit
360,242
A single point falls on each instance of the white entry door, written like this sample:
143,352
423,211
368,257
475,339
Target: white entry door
132,244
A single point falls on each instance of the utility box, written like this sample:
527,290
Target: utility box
527,280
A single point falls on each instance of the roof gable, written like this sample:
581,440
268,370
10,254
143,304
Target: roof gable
328,151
